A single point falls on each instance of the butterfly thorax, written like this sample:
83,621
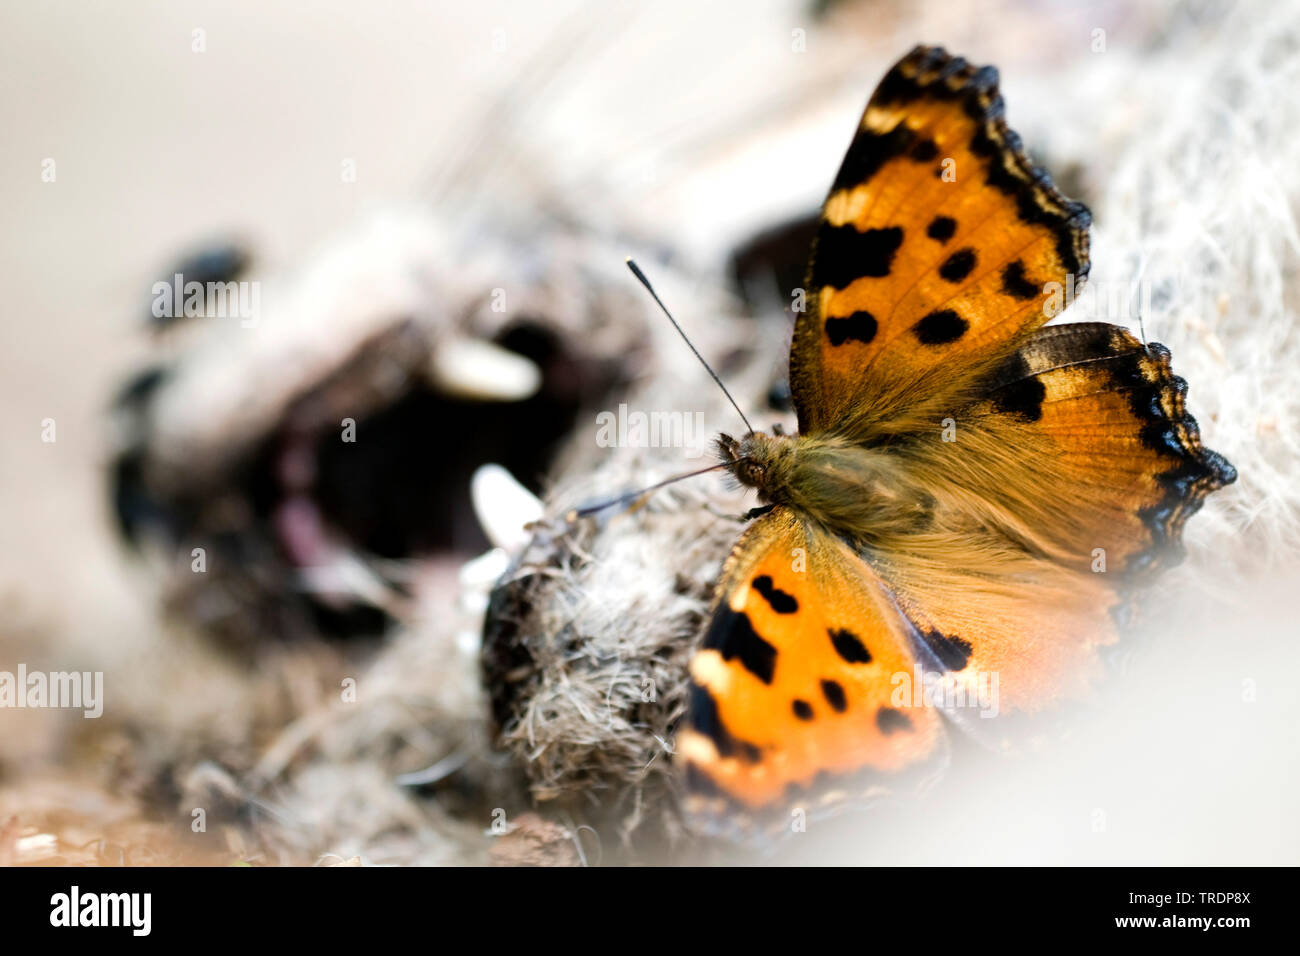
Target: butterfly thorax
850,489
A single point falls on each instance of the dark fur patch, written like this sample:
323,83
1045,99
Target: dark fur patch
733,636
834,695
858,327
958,265
849,646
781,601
940,328
941,228
843,254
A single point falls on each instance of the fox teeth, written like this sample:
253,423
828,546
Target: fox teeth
480,371
503,506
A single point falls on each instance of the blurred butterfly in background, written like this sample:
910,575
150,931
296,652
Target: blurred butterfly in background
970,495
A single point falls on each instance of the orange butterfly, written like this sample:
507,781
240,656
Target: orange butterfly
970,495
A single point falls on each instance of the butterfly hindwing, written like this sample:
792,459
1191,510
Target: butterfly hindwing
793,697
1125,453
1036,550
935,245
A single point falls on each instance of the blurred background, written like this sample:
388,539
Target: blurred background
434,200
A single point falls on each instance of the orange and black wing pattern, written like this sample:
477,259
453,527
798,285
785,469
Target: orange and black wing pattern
1021,479
1126,456
1037,554
794,698
935,247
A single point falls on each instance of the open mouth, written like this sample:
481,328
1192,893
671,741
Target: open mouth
324,524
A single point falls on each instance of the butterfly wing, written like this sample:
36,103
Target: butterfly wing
940,254
1029,554
1069,474
933,251
796,679
1123,446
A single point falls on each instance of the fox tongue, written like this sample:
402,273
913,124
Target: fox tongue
302,534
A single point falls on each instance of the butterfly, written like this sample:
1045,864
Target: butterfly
971,497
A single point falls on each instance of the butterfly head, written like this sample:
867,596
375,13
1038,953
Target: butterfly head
756,461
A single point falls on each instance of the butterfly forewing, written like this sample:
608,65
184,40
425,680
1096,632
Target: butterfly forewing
796,689
935,249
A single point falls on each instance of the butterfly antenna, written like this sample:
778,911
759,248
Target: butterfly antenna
630,496
1137,294
636,271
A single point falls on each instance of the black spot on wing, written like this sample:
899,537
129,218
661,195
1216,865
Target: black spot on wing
781,602
940,328
891,721
834,695
702,784
802,709
868,152
941,228
932,73
952,652
1015,284
731,635
858,327
924,151
1035,197
958,265
1156,399
849,647
1023,398
704,720
843,254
